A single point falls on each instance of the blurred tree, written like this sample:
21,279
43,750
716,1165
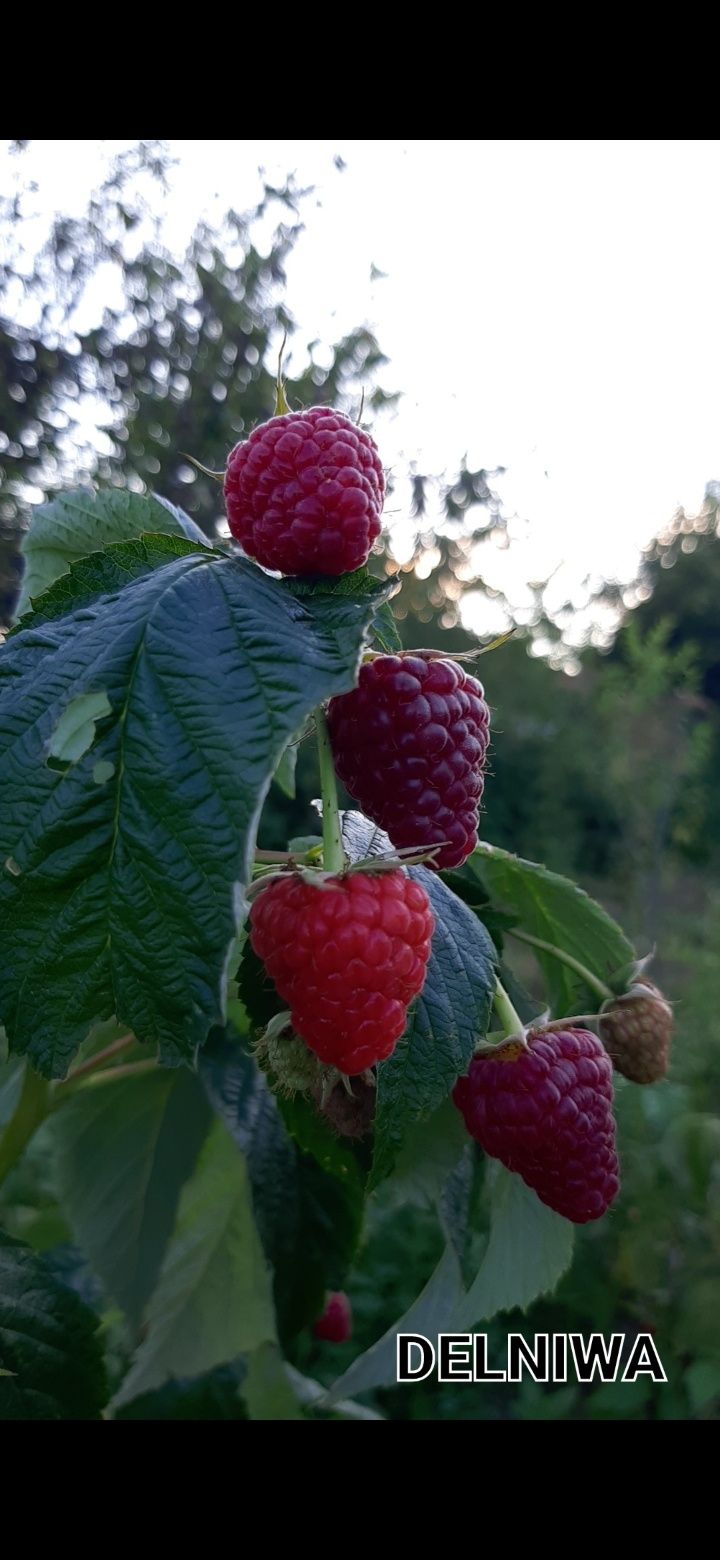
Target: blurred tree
176,367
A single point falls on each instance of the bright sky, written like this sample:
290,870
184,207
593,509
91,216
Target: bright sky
549,306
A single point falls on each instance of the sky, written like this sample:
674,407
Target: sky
570,293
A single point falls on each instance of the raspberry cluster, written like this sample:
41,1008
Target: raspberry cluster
304,493
410,743
347,957
545,1109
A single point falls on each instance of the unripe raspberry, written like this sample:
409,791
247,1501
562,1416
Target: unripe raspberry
636,1030
335,1324
350,1115
545,1110
410,743
348,957
304,493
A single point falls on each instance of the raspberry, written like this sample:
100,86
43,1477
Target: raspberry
546,1112
304,493
636,1031
409,743
335,1324
347,957
350,1115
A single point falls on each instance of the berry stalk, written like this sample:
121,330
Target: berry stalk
333,853
593,981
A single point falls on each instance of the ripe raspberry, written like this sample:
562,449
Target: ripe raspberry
636,1031
335,1324
347,957
409,743
546,1112
304,493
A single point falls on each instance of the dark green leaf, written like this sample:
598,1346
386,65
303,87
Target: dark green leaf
123,879
75,524
124,1151
216,1395
308,1219
51,1358
444,1026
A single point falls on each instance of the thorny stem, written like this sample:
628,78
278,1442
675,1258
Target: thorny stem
593,981
95,1080
115,1048
29,1113
509,1018
333,853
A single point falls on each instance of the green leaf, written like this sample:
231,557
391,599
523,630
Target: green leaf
529,1249
308,1217
76,729
267,1388
444,1026
284,776
123,1152
51,1358
430,1314
213,1300
215,1395
361,584
123,894
75,524
552,908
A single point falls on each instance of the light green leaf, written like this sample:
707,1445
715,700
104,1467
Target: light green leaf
432,1312
75,524
554,909
213,1301
123,1154
529,1249
284,776
75,730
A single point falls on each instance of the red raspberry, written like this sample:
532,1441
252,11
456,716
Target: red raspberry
545,1111
409,743
304,493
347,957
335,1324
636,1030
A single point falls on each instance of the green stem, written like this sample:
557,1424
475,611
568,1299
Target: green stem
333,853
29,1113
75,1083
509,1018
593,981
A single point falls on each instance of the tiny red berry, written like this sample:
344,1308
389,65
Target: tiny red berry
410,744
335,1324
348,957
546,1111
304,493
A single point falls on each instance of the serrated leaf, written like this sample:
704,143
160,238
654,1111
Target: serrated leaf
308,1219
431,1313
123,1153
123,893
213,1300
51,1358
75,524
450,1016
554,909
529,1249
